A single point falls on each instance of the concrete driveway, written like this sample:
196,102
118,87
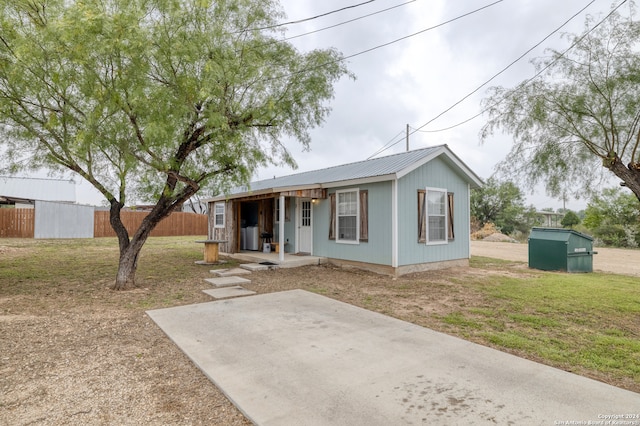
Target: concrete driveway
298,358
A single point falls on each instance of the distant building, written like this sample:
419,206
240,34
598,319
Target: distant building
22,192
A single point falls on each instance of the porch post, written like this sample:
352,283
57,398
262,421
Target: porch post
281,229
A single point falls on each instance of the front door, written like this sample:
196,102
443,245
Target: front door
305,241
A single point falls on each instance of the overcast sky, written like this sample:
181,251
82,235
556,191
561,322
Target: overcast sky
415,80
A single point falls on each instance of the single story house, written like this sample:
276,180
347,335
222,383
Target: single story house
397,214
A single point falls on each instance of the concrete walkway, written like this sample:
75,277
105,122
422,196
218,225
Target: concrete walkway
297,358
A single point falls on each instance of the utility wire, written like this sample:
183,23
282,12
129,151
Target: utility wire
423,31
526,82
384,147
504,69
348,21
299,21
302,71
335,25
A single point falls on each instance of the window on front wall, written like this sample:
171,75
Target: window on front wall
218,215
349,216
435,216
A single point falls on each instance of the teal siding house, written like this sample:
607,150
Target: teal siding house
395,215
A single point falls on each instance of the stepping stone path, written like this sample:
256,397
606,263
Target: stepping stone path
227,281
230,272
227,292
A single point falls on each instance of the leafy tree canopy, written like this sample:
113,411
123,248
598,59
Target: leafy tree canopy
501,203
580,115
155,99
570,219
612,207
614,218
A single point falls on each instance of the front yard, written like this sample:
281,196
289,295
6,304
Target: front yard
75,352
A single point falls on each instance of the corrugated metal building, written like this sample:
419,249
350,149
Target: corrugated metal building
37,189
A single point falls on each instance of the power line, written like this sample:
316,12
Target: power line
423,31
385,145
505,68
302,71
348,21
311,18
526,82
335,25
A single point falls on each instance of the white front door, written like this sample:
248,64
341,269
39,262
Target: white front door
305,211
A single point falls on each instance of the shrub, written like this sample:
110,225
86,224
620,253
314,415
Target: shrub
611,235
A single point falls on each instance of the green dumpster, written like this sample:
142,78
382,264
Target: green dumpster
554,249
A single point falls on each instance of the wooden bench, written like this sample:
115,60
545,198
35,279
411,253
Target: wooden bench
211,250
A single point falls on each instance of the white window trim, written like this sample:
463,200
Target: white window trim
215,214
446,216
357,240
276,210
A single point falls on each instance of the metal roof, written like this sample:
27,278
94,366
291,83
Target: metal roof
38,189
376,169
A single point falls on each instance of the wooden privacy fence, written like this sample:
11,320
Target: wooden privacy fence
176,224
20,223
17,223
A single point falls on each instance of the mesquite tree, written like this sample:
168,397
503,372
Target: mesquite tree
154,99
580,117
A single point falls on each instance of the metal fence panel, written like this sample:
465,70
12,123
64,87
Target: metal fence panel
61,220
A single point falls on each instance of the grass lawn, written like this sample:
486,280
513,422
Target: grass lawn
585,323
580,322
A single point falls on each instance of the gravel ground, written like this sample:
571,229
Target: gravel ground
614,260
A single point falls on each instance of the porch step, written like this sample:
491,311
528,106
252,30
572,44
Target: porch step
227,281
227,292
229,272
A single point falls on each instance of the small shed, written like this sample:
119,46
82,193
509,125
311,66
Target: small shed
399,214
555,249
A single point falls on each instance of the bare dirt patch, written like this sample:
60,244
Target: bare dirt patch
614,260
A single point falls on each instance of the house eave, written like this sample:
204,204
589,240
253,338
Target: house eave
360,181
294,188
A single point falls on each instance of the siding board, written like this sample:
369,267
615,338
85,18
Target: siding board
435,174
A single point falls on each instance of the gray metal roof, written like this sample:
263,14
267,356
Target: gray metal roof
38,189
384,168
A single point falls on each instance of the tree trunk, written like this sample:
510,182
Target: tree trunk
130,248
630,175
128,263
127,266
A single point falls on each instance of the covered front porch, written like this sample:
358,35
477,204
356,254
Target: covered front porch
281,260
282,219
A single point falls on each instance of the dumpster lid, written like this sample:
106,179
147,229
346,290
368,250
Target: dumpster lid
556,234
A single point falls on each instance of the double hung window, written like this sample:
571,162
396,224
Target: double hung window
435,216
218,215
